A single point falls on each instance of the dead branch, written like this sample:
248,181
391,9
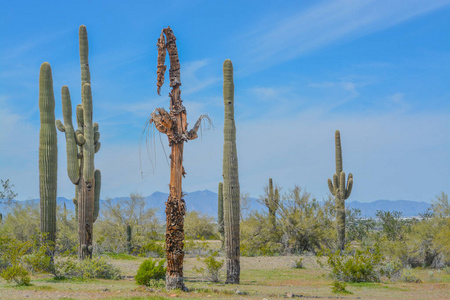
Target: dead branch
161,69
192,134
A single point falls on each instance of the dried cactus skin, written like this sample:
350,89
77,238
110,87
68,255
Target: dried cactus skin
48,153
231,191
340,191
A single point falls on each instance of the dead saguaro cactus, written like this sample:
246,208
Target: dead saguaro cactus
231,192
340,191
174,125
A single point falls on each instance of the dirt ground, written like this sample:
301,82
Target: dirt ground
261,278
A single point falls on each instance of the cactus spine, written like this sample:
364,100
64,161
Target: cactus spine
340,191
231,193
272,201
81,145
220,212
48,153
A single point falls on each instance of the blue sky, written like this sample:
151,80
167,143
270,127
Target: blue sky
376,70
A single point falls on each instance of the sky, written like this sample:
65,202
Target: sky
378,71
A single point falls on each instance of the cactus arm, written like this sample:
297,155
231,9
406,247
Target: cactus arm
60,126
163,121
335,182
97,147
161,68
84,59
88,147
348,190
339,166
331,187
73,169
80,119
97,187
342,183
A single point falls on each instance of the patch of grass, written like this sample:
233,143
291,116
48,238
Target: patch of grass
122,256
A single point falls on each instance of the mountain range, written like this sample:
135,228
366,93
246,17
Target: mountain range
206,202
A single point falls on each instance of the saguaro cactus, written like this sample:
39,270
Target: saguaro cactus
272,201
129,239
174,125
340,191
48,153
81,145
220,212
231,193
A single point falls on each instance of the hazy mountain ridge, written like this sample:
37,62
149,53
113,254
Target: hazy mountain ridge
206,202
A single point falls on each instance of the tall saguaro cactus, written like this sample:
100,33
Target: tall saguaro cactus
231,193
81,145
340,191
174,125
48,153
220,212
272,201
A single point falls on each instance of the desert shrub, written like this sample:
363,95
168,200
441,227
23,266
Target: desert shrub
298,263
110,228
198,225
65,267
153,249
197,247
306,225
357,229
12,265
150,271
359,266
98,268
213,266
392,270
257,236
408,275
339,288
17,273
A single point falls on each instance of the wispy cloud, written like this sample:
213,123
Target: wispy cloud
327,23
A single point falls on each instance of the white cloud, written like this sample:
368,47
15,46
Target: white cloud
325,23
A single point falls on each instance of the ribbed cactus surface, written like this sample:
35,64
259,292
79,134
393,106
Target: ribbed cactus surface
231,191
220,211
341,191
48,153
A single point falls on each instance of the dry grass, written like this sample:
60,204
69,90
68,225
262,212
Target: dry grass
261,278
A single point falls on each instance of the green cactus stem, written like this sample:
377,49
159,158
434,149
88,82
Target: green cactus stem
340,191
48,153
271,201
231,192
129,250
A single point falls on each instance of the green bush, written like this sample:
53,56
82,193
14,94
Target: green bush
361,266
339,288
150,271
16,273
97,268
153,248
298,264
213,267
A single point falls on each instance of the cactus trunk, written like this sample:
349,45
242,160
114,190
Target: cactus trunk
129,239
174,125
220,213
231,193
48,153
340,191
